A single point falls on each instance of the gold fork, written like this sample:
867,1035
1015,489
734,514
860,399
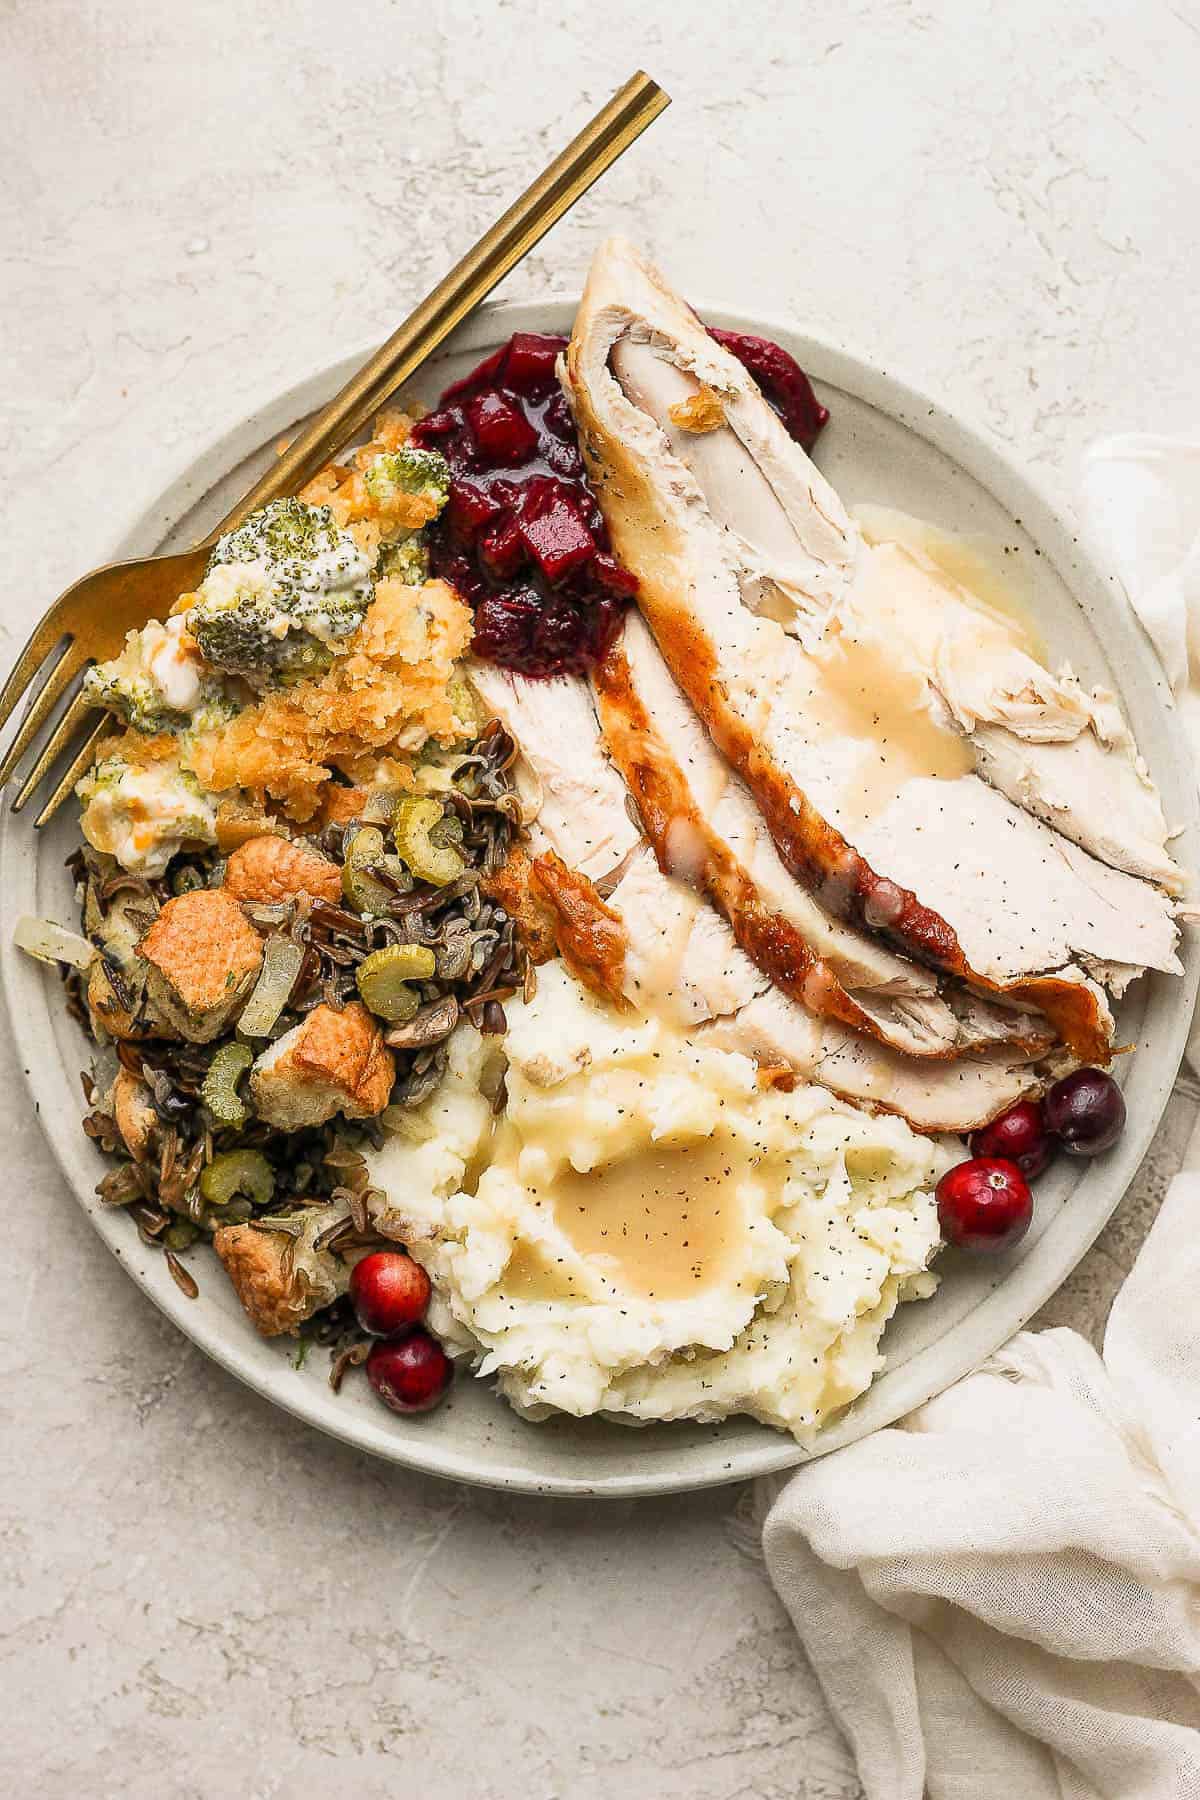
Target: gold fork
88,623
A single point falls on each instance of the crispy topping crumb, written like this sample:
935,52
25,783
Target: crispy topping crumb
704,411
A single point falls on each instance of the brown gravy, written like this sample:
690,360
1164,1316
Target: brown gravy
660,1224
995,584
858,689
866,691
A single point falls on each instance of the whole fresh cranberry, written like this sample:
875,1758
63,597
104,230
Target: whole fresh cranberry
389,1292
1019,1135
409,1374
1085,1111
984,1204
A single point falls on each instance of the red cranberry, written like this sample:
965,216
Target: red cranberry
1085,1111
502,549
560,634
1019,1135
554,529
522,539
558,422
481,376
469,509
389,1292
503,435
504,628
410,1374
529,362
604,622
526,363
984,1204
443,423
608,571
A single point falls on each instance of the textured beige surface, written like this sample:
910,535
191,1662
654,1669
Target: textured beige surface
199,1597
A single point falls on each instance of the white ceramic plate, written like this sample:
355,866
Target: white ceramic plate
885,443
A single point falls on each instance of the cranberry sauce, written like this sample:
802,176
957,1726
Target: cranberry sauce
784,384
522,538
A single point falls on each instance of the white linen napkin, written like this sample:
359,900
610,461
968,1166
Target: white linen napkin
1141,501
1001,1595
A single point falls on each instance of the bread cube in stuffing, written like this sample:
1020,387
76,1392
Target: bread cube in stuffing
271,868
341,805
109,1014
203,958
282,1280
332,1062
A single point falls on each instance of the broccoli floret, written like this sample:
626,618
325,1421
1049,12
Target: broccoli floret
244,638
134,698
420,475
409,471
103,778
155,684
143,816
279,592
280,532
406,560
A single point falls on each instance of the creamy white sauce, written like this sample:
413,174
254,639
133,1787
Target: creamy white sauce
173,664
144,815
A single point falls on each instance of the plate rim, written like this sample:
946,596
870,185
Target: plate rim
964,444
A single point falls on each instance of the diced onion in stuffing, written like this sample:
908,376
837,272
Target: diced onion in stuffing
52,943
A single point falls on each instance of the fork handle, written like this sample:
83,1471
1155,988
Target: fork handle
613,129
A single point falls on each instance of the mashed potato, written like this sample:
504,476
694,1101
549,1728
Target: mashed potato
647,1233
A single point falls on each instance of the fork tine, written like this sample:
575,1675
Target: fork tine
25,668
79,767
59,738
55,685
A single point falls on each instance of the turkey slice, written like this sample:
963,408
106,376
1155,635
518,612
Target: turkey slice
957,1096
857,763
681,958
1056,749
706,830
562,774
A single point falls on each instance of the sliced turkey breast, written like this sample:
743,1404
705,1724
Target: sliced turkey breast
681,960
563,775
859,765
957,1096
706,830
1056,749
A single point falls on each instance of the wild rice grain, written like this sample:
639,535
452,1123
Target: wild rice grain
183,1280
